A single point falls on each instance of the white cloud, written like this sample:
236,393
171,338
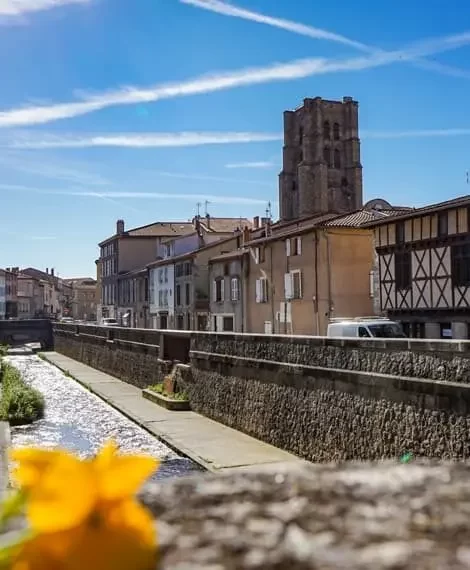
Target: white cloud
302,29
143,140
111,195
317,33
260,164
415,134
227,80
19,7
188,176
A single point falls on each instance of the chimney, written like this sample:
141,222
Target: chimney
256,223
47,270
52,272
120,227
246,235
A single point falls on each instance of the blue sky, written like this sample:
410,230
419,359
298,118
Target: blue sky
140,109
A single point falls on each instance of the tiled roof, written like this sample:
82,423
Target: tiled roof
224,225
81,281
359,218
162,229
402,214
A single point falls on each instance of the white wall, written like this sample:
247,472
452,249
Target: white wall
161,285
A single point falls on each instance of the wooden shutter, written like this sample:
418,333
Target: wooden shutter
258,290
222,289
299,246
288,285
288,247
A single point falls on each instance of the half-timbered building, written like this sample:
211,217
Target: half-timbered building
424,269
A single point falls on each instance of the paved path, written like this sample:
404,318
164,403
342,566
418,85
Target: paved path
210,444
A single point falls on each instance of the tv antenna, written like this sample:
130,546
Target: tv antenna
206,203
198,206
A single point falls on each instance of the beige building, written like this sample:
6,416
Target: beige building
129,250
303,273
83,301
321,165
424,269
30,297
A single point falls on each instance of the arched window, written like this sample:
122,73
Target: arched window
336,131
326,130
327,155
337,158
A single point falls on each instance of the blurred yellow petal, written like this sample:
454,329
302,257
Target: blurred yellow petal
32,463
106,455
43,553
124,476
64,497
120,538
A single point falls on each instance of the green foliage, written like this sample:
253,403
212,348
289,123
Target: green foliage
19,403
3,349
159,389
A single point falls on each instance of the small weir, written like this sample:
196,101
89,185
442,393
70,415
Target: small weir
77,420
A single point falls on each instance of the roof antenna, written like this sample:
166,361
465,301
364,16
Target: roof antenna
206,203
198,206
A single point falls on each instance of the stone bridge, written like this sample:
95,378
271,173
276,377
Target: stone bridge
19,332
323,399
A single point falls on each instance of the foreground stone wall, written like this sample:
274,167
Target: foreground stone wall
135,361
367,516
437,360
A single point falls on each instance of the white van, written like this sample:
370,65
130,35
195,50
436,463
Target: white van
365,327
109,322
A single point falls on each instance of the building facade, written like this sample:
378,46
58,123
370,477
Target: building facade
228,279
310,271
11,293
30,297
83,303
128,251
321,166
133,299
3,298
424,269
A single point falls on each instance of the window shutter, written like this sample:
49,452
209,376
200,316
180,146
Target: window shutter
256,254
288,247
214,291
288,286
258,290
299,246
222,290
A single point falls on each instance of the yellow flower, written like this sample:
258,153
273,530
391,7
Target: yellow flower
84,513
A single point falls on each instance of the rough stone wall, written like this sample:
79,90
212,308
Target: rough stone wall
136,363
437,360
360,517
328,415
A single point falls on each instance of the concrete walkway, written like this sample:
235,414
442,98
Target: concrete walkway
210,444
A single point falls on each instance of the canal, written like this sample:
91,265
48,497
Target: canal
77,420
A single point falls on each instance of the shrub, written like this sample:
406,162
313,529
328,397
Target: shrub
159,389
3,350
19,403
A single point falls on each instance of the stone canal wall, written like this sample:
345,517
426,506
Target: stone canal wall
323,399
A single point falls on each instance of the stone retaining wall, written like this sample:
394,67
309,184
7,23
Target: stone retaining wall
122,353
324,414
433,359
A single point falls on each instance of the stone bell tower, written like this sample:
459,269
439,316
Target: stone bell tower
322,170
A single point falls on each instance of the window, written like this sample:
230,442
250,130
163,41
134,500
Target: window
187,268
227,324
160,298
403,269
258,254
460,260
362,332
442,224
337,158
400,232
336,131
327,156
294,185
180,322
178,295
293,284
262,290
294,246
235,289
166,275
326,130
188,293
218,290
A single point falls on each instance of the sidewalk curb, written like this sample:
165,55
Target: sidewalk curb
168,441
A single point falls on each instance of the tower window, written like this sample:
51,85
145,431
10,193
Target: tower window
337,158
294,185
326,130
327,156
336,131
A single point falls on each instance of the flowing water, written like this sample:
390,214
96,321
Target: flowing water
77,420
